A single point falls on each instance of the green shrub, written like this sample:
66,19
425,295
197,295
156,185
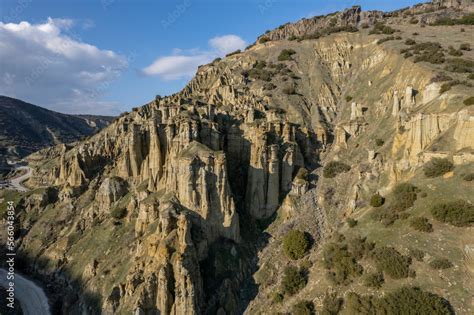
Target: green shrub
391,262
238,51
468,177
403,197
440,263
118,213
377,201
417,254
410,42
421,224
289,90
351,222
334,168
437,167
379,142
459,65
465,20
454,52
303,308
380,28
286,54
406,300
341,263
332,304
293,280
374,280
471,76
359,247
457,213
469,101
277,297
269,86
385,216
263,40
414,20
295,244
448,85
348,98
465,46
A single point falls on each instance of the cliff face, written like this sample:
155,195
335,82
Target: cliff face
162,211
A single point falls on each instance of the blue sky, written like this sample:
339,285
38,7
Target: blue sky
117,54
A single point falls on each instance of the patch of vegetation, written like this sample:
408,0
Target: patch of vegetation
118,213
277,297
460,65
359,247
471,76
454,52
428,52
348,98
293,280
303,308
351,222
465,20
441,77
377,201
374,280
385,216
465,46
440,263
385,39
269,86
403,197
379,142
414,20
332,304
263,40
421,224
468,177
391,262
406,300
289,90
437,167
334,168
448,85
286,54
341,263
238,51
295,244
469,101
380,28
417,254
457,213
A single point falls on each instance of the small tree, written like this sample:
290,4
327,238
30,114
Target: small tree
295,244
293,280
377,201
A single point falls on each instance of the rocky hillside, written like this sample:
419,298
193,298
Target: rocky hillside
328,167
26,128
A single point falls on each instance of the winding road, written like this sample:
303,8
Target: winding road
32,298
16,182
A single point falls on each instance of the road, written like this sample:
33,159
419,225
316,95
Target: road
15,183
32,299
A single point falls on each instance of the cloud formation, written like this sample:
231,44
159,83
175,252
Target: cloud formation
182,65
47,65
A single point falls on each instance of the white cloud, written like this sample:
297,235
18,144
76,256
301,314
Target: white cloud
227,43
44,65
182,65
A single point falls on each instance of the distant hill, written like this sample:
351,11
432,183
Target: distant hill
25,128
